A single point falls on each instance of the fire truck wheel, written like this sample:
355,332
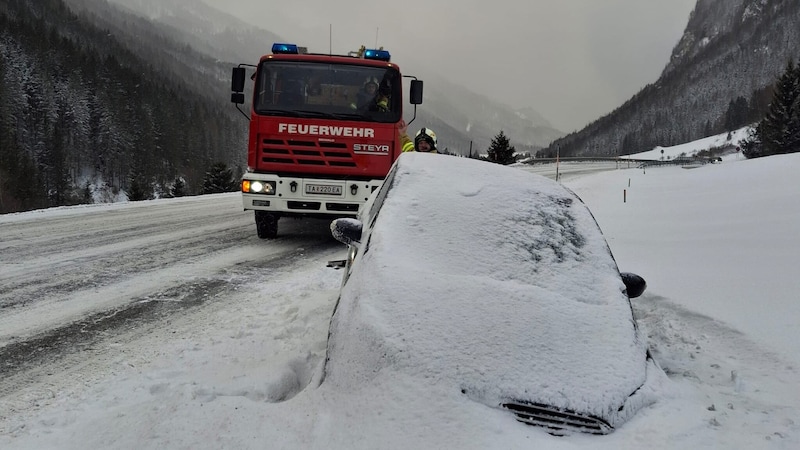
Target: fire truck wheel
266,225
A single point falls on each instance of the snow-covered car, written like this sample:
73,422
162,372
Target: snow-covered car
495,283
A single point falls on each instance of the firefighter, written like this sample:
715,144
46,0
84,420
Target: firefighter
371,97
381,102
367,92
424,141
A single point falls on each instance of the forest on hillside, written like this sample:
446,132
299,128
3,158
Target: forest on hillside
82,116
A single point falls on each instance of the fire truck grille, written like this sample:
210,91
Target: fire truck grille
311,206
347,207
294,152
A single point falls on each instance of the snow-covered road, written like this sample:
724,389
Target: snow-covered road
79,274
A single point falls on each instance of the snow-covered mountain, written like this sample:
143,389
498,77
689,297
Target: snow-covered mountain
731,50
206,29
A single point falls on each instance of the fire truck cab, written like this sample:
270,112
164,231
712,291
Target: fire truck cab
323,131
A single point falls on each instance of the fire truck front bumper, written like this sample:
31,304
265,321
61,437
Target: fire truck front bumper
305,196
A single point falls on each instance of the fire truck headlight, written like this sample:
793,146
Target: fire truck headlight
258,187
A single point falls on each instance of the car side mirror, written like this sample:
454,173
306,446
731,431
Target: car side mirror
347,231
634,284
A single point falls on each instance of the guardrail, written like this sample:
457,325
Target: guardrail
639,162
583,159
678,162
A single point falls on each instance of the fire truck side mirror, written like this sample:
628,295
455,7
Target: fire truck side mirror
237,85
416,92
237,80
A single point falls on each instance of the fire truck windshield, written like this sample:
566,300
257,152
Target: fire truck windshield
336,91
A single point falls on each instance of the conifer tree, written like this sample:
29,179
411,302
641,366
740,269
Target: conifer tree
779,131
138,187
178,188
751,146
218,178
501,151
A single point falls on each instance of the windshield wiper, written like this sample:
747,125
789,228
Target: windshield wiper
292,113
278,112
311,114
351,116
318,114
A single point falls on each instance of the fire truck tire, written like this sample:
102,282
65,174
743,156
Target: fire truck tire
267,224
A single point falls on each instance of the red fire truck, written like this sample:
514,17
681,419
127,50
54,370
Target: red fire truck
323,131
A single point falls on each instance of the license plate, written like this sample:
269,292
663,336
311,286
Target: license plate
328,189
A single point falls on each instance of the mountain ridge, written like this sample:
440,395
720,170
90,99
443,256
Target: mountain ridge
731,50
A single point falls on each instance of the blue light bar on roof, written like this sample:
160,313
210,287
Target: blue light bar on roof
287,49
381,55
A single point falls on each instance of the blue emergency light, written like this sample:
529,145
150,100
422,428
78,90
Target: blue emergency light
285,49
380,55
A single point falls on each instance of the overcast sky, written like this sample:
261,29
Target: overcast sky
573,61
